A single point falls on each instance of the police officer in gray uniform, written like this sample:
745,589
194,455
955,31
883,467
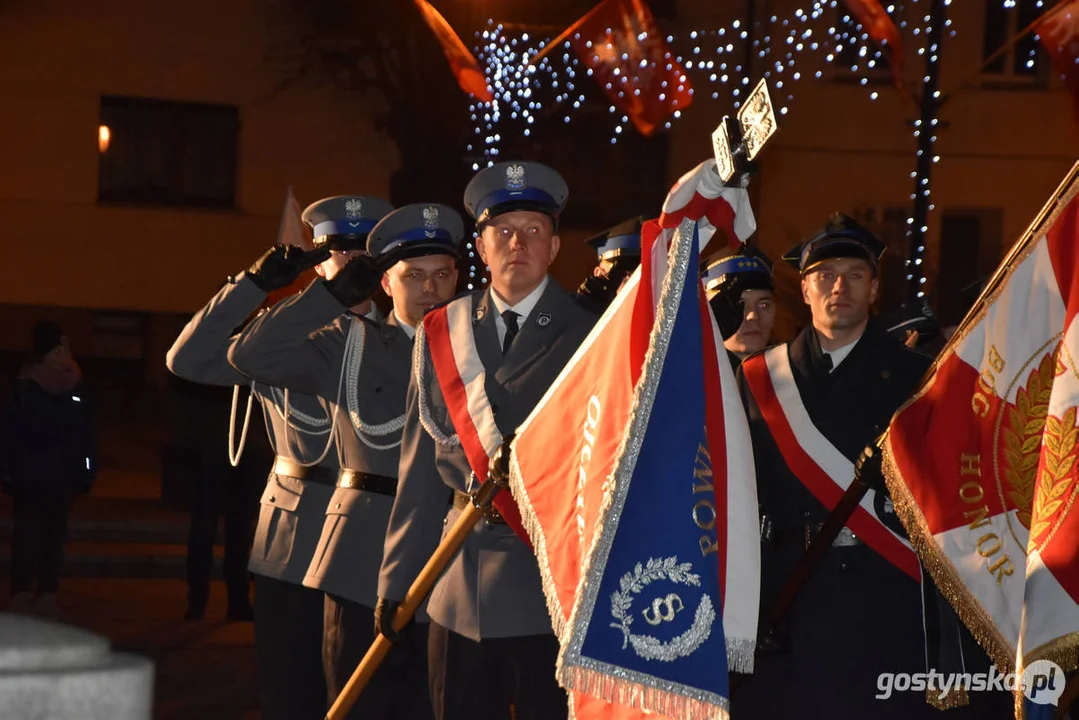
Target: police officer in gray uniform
491,643
288,616
362,369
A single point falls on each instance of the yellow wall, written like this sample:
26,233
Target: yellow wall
57,57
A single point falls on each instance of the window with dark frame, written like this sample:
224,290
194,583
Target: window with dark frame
1003,21
162,152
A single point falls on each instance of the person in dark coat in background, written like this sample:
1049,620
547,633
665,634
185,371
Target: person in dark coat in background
830,393
48,457
221,489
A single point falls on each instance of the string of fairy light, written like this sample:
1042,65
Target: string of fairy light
785,50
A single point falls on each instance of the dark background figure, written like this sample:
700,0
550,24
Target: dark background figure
49,456
218,488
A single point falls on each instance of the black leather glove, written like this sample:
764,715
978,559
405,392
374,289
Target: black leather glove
277,268
356,281
596,292
869,468
727,304
729,313
384,612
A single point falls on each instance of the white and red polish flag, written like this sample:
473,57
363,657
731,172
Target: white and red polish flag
700,195
982,462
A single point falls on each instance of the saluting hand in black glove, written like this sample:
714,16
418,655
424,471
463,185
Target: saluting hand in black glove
278,267
355,282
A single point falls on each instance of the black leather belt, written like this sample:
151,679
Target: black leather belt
462,500
317,473
356,480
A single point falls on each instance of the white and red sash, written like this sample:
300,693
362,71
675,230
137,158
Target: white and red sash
813,459
462,378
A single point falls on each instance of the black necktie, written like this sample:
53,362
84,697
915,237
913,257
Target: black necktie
826,362
510,318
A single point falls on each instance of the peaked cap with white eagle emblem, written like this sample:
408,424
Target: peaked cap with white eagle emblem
415,230
508,186
342,222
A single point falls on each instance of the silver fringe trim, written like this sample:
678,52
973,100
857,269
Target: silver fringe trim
353,360
665,700
613,683
740,654
539,542
422,380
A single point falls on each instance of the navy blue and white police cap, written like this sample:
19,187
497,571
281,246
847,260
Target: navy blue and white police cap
748,264
510,186
342,222
417,230
841,237
623,240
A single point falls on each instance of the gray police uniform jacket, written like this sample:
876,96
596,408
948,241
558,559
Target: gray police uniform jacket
492,588
291,512
360,368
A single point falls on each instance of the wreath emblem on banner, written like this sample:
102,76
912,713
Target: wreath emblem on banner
634,582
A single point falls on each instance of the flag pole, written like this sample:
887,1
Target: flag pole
998,275
531,61
497,480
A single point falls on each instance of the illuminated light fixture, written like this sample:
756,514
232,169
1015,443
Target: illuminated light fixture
104,135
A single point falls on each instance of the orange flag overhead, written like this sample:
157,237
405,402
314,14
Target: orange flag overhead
873,18
1059,35
619,42
465,66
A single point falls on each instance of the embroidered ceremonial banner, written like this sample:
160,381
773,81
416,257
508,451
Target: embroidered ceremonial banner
813,459
462,378
982,463
616,539
646,630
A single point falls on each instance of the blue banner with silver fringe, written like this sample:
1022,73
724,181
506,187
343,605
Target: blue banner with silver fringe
647,629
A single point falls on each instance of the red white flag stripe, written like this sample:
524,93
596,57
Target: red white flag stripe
825,471
982,462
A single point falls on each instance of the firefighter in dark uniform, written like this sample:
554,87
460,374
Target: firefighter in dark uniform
618,253
858,615
739,289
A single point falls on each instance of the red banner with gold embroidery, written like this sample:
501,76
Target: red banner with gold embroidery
983,462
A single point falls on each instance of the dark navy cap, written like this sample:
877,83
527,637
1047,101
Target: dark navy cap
416,230
623,240
841,237
343,221
753,267
509,186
